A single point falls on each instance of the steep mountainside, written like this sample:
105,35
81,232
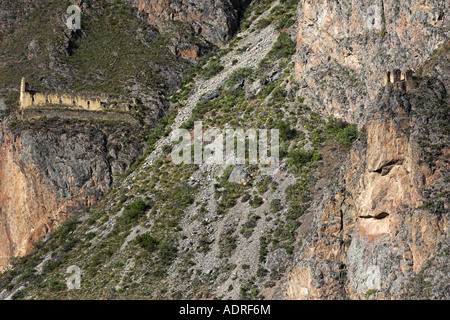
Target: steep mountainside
51,170
215,20
357,210
59,167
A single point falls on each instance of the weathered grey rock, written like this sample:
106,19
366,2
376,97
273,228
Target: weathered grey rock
236,86
215,20
239,175
277,76
276,259
33,48
210,96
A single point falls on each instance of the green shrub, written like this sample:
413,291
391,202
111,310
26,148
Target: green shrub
67,227
147,242
189,124
56,285
213,68
227,244
285,22
256,202
275,205
299,158
249,290
278,95
348,135
283,48
18,295
263,244
263,23
334,129
286,132
247,227
134,211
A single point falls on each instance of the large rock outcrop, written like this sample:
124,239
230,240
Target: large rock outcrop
345,47
216,20
381,230
50,170
385,220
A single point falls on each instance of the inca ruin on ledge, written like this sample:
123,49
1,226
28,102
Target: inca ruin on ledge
92,102
401,79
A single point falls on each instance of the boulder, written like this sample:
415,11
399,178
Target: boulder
239,175
210,96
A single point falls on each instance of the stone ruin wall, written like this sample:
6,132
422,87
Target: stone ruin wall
34,99
401,79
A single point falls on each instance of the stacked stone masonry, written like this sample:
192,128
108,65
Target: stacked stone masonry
95,102
35,105
401,79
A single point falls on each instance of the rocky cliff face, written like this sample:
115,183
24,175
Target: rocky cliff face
344,48
51,170
382,230
357,210
47,176
387,215
215,20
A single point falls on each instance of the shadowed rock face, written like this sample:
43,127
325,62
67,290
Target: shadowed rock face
216,20
49,172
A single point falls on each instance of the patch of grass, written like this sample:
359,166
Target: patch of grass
283,48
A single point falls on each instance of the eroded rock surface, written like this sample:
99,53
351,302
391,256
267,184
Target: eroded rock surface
344,48
50,171
387,216
216,20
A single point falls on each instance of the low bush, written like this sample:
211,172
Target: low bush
147,242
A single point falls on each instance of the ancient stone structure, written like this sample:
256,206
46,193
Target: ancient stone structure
35,99
402,79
